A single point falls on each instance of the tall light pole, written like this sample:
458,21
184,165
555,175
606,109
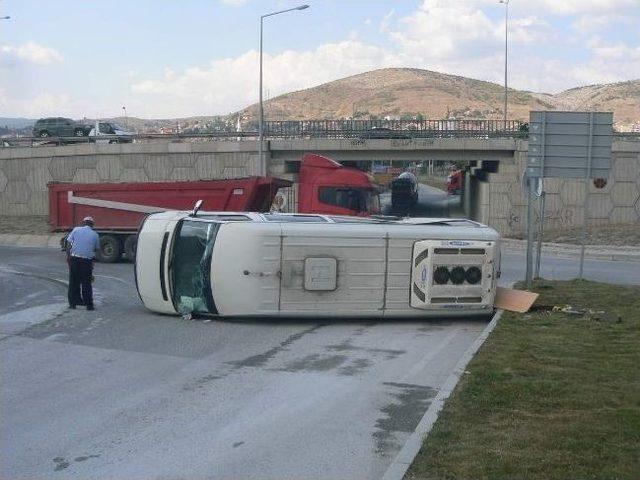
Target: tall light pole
124,109
261,113
5,18
506,38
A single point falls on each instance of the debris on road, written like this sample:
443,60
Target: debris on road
519,301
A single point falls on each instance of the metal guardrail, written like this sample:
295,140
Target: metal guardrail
370,129
336,129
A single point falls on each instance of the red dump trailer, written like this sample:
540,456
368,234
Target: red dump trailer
118,208
325,186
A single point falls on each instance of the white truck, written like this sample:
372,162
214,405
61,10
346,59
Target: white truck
250,264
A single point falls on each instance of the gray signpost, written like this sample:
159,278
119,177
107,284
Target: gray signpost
566,145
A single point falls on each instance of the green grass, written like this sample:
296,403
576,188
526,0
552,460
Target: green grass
548,396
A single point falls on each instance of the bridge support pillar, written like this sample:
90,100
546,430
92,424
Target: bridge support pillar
467,194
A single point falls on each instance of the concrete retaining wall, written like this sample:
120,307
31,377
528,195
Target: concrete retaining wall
25,172
499,202
502,200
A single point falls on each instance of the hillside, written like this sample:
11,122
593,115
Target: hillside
622,98
398,92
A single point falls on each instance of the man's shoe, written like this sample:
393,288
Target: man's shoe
90,307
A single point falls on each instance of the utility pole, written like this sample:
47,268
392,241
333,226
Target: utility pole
261,107
506,38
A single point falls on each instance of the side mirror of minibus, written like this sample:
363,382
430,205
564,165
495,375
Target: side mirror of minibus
196,207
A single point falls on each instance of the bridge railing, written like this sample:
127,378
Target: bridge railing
394,128
354,129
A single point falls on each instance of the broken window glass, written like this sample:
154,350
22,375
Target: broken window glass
191,267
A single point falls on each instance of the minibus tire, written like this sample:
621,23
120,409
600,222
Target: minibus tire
110,249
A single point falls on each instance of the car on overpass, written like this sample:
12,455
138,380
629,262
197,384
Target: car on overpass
59,127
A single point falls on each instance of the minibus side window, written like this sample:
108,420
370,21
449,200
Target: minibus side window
190,267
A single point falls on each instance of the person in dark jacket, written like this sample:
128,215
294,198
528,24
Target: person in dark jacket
82,244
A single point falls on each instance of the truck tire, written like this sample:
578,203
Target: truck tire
110,249
79,132
130,246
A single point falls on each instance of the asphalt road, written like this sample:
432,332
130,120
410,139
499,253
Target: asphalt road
432,202
124,393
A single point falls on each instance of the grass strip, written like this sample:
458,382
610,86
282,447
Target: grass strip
549,395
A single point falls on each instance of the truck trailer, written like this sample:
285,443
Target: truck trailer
278,265
325,186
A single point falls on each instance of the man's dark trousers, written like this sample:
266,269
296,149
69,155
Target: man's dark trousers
80,270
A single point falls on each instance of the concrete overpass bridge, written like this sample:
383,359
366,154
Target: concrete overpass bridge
493,192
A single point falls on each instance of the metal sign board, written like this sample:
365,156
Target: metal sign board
570,144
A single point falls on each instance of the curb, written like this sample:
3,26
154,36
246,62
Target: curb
595,252
403,460
31,240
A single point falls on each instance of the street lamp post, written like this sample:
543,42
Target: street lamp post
125,117
261,112
506,37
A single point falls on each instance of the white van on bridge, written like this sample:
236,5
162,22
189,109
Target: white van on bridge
296,265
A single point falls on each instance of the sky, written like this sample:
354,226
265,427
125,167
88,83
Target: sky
178,58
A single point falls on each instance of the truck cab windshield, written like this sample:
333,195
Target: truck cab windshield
363,200
190,267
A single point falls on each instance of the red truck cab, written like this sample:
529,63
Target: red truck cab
329,187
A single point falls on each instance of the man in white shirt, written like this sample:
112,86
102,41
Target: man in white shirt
82,244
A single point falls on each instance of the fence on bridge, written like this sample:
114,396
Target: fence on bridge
301,129
381,129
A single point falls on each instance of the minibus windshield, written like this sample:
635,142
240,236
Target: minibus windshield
190,267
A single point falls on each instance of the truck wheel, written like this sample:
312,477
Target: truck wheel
110,249
44,134
79,132
130,246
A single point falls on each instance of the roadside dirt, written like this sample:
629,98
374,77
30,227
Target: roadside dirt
25,224
617,234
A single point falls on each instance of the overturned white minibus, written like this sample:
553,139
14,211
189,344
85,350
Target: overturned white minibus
251,264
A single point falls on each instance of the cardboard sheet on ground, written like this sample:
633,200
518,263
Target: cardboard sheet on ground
519,301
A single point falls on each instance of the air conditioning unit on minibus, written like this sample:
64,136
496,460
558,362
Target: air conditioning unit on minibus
454,274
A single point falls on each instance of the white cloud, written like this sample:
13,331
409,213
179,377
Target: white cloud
31,52
463,37
42,105
440,29
230,84
451,36
580,7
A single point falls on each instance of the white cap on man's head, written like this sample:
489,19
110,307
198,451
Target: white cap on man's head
88,219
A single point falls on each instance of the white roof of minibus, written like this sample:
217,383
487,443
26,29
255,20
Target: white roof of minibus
265,217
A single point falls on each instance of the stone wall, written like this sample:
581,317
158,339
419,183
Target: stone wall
25,172
501,201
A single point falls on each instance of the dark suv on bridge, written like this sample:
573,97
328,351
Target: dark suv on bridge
59,127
